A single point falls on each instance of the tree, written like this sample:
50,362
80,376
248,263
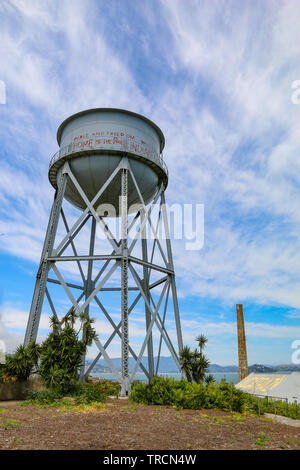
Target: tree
22,363
59,358
200,366
186,362
202,340
209,379
195,364
62,352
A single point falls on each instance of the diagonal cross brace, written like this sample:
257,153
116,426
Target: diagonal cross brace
148,332
81,308
85,212
148,213
112,336
104,227
168,343
147,217
117,331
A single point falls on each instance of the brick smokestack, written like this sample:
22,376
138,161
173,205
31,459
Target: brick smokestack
243,362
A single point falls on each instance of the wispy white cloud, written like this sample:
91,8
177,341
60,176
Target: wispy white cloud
255,330
13,321
232,132
238,152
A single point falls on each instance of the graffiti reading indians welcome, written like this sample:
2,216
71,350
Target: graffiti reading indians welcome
113,139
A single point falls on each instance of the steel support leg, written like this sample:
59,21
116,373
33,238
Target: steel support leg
172,276
125,388
42,275
145,285
89,284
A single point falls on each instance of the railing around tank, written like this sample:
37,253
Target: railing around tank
69,149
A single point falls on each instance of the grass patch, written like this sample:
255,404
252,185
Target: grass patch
262,440
82,408
66,405
10,423
237,417
131,407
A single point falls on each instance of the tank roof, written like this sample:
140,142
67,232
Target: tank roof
125,111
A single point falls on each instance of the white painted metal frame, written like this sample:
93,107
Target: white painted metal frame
120,257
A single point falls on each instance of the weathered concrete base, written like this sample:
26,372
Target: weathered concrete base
13,391
19,390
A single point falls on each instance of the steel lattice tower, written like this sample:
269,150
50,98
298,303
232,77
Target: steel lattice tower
112,156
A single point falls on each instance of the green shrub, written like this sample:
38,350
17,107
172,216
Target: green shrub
83,393
43,397
280,407
108,387
193,397
160,392
89,393
184,394
61,357
19,366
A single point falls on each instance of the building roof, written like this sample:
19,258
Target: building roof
281,385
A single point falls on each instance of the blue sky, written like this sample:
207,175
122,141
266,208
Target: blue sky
216,76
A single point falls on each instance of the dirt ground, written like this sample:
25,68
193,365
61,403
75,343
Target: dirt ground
120,424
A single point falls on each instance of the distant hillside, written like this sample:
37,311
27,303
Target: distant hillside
288,367
167,364
260,368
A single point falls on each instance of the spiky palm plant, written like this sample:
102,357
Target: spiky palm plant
201,340
70,317
62,352
88,332
55,324
200,366
209,379
23,362
194,364
185,358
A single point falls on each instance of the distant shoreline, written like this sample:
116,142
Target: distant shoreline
232,377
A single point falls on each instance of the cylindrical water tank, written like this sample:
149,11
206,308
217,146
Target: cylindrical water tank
94,142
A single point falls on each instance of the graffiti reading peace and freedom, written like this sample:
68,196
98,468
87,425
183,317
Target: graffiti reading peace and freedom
112,139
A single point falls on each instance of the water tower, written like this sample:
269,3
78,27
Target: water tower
110,167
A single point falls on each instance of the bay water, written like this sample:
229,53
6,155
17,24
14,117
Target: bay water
230,377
